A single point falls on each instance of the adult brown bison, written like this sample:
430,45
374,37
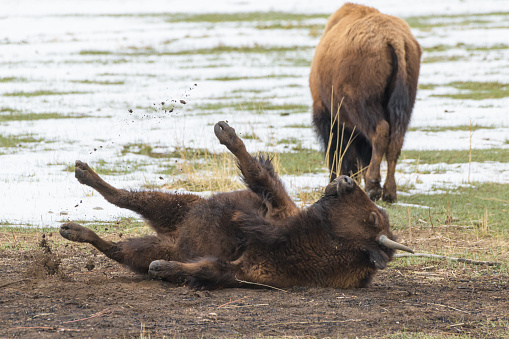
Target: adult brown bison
363,82
255,235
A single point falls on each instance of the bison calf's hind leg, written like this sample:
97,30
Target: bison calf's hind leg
208,273
136,253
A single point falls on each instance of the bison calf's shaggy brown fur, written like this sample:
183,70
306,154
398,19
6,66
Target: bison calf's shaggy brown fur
254,235
363,82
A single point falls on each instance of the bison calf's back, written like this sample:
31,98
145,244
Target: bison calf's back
363,82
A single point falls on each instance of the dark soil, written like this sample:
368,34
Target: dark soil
71,292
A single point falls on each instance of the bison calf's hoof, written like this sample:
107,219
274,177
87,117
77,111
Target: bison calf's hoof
166,270
227,135
78,233
84,173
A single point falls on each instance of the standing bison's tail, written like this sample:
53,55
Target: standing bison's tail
399,93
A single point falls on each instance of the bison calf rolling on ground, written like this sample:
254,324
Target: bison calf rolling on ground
255,235
366,65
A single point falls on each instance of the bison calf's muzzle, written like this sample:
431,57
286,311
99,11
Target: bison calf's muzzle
256,235
340,185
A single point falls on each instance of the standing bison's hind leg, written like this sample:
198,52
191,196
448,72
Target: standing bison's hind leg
379,141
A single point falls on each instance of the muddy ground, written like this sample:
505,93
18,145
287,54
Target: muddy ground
71,291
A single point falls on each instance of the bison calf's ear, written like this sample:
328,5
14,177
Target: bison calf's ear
378,258
373,220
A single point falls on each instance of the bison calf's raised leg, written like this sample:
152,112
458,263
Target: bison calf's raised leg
162,210
258,174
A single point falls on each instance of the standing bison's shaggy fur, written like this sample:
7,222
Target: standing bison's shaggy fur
366,65
255,235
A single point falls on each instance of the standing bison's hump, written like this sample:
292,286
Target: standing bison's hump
359,54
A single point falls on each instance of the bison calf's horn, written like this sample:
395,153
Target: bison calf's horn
383,240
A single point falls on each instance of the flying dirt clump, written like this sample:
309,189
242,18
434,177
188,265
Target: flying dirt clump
45,263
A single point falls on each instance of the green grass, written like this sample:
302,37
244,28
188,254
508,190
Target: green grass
12,79
18,116
484,207
299,126
285,107
103,167
233,78
94,52
249,136
98,82
213,18
471,48
495,47
450,128
40,93
300,161
219,49
442,58
17,140
198,158
9,110
428,22
437,48
291,140
15,237
457,156
291,25
243,17
143,149
473,90
477,90
253,105
236,78
427,86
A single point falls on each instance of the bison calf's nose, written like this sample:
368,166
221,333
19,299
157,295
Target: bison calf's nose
344,184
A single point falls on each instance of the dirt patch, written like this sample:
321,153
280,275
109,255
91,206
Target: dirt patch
72,292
